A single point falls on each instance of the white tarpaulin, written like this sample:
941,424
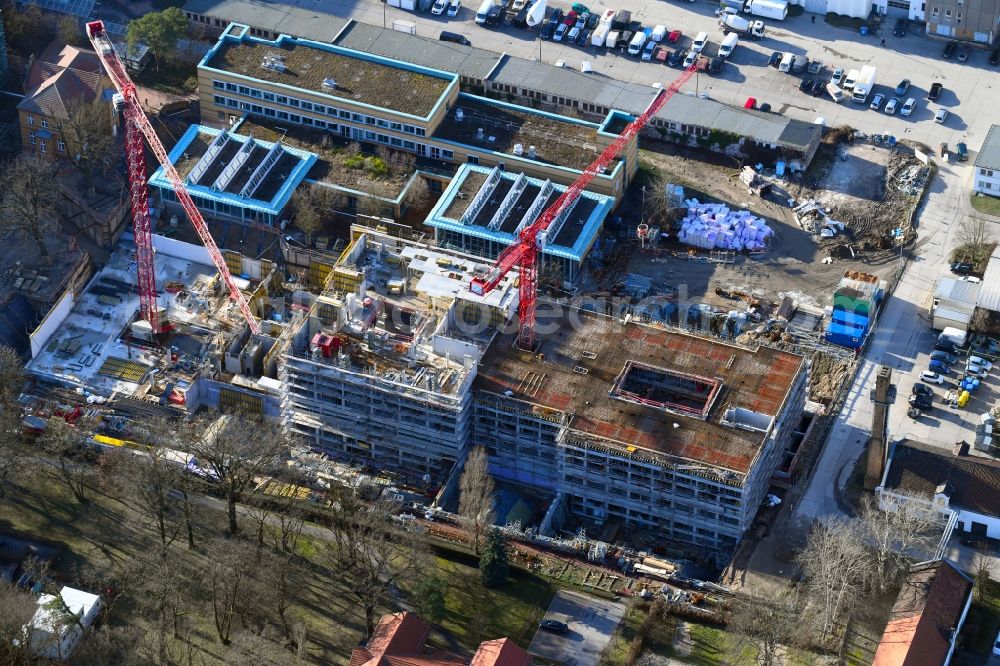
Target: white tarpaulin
715,227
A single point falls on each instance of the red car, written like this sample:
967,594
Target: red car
570,18
674,36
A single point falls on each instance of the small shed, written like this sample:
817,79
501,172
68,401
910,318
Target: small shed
953,304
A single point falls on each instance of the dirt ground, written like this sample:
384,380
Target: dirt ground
793,265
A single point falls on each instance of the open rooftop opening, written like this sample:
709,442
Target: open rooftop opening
669,390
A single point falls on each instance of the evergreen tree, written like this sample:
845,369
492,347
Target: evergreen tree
493,566
429,599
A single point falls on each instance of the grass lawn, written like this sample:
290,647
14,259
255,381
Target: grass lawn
474,614
986,204
983,621
659,641
710,645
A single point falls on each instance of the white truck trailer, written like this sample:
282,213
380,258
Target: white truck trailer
770,9
864,84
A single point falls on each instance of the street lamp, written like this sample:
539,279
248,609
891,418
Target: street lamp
642,216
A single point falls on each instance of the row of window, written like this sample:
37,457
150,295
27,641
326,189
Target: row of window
346,130
947,14
305,105
44,121
561,101
33,140
986,172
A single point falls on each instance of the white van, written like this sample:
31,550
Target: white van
699,42
850,80
659,32
728,44
484,11
439,7
786,62
835,93
638,41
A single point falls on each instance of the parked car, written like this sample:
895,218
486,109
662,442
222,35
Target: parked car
592,21
581,21
899,29
554,626
908,106
690,58
715,65
921,389
560,32
838,76
979,360
547,31
676,58
570,18
447,36
938,366
963,53
949,50
555,17
945,346
817,88
584,37
890,106
922,404
454,7
806,86
995,57
935,91
877,101
941,115
647,52
775,59
438,7
961,268
903,86
815,67
929,377
942,356
518,5
674,36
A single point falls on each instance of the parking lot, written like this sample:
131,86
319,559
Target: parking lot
591,622
968,93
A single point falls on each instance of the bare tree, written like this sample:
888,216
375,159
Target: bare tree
228,580
418,194
476,490
16,608
30,203
308,215
981,569
895,538
147,484
11,375
973,232
87,135
764,624
237,450
118,645
62,458
367,553
836,567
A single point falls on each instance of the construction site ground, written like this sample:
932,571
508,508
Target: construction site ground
793,265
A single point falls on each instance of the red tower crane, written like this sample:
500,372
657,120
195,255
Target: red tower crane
137,126
531,240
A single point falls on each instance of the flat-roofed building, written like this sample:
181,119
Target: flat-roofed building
374,99
660,430
482,211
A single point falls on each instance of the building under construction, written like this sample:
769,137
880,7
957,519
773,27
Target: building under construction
399,366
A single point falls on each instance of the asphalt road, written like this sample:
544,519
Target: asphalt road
591,623
969,88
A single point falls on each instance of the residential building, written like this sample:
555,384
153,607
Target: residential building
927,617
482,211
967,20
954,303
373,99
59,622
963,487
986,178
59,78
400,638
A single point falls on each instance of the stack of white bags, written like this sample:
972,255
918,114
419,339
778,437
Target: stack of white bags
715,227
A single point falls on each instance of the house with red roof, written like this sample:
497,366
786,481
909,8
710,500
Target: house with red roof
927,616
400,640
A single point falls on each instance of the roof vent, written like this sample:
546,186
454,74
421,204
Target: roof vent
274,62
518,148
531,152
480,133
330,83
459,115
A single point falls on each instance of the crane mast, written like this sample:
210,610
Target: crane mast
137,127
524,252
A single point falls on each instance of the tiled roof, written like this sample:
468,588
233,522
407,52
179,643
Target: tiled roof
925,617
58,77
500,652
971,483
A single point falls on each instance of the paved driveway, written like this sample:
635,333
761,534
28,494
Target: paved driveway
591,623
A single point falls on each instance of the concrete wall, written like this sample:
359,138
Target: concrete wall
51,323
